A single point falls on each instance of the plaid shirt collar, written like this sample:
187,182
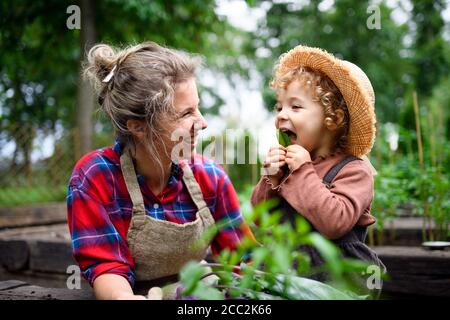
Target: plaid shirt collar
176,173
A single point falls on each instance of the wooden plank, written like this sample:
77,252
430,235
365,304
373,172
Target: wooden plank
33,215
413,252
50,256
45,255
42,248
416,271
424,285
11,284
14,254
43,279
401,231
30,292
53,232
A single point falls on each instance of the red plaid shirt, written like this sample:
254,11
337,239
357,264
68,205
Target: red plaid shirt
99,209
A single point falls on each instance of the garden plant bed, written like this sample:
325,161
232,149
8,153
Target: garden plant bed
400,231
40,256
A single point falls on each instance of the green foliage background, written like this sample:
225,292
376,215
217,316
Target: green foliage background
40,60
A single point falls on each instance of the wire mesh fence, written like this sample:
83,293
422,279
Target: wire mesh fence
35,164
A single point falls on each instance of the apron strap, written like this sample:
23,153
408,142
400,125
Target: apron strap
193,187
129,175
332,173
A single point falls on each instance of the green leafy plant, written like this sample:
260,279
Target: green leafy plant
283,138
392,189
430,196
278,269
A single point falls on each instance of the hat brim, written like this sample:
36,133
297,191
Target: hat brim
354,86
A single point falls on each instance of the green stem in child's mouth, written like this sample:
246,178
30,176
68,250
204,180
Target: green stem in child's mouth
283,138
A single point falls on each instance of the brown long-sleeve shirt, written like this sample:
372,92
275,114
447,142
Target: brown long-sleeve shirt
333,212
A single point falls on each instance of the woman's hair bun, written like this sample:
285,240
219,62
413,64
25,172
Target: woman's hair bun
101,59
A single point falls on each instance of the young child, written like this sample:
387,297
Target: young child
326,107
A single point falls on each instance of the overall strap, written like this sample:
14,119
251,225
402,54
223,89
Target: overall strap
331,174
129,175
193,187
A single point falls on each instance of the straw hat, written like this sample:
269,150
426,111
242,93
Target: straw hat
353,84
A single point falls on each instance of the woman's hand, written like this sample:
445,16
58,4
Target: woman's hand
109,286
273,163
296,155
129,296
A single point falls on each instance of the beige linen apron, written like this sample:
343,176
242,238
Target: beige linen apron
160,248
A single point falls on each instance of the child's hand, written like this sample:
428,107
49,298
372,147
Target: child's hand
296,155
273,163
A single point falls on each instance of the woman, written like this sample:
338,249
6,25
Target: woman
135,209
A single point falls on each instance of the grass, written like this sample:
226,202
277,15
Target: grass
15,196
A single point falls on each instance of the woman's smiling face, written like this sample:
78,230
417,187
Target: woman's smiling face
300,116
188,119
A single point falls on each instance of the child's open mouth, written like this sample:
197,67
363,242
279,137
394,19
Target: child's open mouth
291,134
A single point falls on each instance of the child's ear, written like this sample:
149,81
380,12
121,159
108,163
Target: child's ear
330,124
334,124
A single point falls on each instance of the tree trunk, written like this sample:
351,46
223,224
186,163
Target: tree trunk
85,96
